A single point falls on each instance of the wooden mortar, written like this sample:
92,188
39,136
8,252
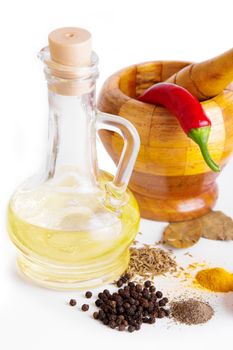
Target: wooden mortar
170,180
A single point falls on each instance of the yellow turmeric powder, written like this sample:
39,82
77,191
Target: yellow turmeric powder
215,279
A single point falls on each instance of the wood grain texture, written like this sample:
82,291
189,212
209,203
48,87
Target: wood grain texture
206,79
170,180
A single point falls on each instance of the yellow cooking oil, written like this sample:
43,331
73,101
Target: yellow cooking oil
67,238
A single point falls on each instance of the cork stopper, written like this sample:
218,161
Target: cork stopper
71,61
70,46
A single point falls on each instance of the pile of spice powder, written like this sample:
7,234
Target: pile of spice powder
191,311
216,280
148,262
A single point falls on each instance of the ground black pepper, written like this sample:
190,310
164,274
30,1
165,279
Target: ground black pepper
191,311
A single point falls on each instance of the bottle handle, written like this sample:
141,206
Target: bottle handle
117,187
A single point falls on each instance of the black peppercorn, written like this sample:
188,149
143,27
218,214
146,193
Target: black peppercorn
145,293
132,301
119,283
131,284
121,292
127,275
167,312
163,302
159,294
112,303
161,313
145,303
85,307
147,284
145,320
98,302
101,314
121,327
96,315
126,305
131,329
120,310
88,294
112,324
121,317
138,288
72,302
151,320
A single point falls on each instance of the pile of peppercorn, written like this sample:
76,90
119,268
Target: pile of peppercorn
130,306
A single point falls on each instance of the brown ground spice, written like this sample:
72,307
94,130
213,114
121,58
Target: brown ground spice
148,262
191,311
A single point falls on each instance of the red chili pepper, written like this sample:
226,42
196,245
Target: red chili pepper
188,111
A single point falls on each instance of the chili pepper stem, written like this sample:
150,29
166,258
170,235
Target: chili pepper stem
201,136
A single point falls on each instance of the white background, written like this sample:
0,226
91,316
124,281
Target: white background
124,32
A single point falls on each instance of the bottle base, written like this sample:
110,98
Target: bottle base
76,277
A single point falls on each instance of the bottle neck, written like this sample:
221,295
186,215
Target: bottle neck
72,139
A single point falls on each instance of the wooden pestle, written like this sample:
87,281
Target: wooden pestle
206,79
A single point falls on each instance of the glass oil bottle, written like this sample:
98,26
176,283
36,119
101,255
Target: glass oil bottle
72,224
